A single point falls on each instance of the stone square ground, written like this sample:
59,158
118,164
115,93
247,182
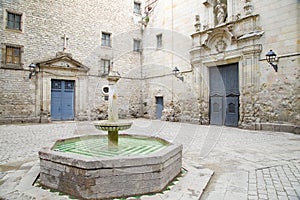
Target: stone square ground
222,162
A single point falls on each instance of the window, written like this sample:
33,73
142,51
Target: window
105,40
105,66
14,21
137,8
13,55
159,41
136,45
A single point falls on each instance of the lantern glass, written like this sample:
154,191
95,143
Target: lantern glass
271,56
32,67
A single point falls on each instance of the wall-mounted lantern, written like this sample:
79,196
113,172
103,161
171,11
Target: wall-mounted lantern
177,73
272,59
32,70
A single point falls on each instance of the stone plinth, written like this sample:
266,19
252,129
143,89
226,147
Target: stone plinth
106,178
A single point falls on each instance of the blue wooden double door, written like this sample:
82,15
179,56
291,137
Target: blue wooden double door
62,99
224,95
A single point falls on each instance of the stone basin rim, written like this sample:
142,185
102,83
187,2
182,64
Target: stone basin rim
111,123
121,135
107,125
118,161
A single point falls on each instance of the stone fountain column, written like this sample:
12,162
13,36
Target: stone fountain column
113,125
113,117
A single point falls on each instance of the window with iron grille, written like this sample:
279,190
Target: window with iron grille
13,55
159,41
136,45
69,85
105,66
137,8
14,21
105,39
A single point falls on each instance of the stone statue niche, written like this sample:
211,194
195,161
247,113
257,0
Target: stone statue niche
220,10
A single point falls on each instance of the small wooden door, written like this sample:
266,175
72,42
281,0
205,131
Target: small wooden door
62,100
159,107
224,95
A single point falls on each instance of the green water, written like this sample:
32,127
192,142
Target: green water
98,146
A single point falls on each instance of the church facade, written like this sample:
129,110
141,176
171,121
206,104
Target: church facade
200,61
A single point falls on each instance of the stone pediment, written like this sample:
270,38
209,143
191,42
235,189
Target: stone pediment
218,38
63,61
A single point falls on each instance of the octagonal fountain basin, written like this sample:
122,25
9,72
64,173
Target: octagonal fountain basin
86,168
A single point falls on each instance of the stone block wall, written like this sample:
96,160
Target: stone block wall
274,101
44,24
17,97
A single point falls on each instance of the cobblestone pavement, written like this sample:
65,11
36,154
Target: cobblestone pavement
277,182
247,164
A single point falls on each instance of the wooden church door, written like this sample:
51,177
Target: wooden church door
224,95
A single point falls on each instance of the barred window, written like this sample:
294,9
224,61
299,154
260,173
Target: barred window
14,21
105,39
13,55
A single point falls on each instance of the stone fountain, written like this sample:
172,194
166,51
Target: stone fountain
110,166
113,125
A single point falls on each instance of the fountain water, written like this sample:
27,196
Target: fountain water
106,167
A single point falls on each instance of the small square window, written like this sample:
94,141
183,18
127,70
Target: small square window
136,45
105,67
137,8
14,21
159,41
13,55
105,39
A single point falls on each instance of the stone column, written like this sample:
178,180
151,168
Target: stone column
113,135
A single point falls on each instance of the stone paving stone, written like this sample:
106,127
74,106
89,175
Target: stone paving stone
272,196
290,192
262,196
283,197
281,194
252,197
252,192
293,197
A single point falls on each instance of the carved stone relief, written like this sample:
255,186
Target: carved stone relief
220,46
197,23
248,8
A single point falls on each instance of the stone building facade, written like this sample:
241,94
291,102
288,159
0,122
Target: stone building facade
201,61
227,72
70,42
